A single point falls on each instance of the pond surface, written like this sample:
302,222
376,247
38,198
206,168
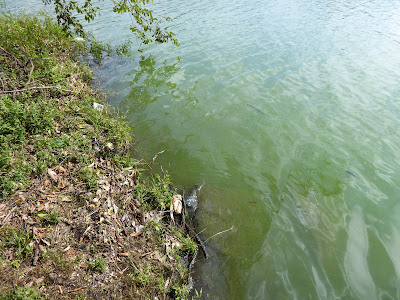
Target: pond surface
289,112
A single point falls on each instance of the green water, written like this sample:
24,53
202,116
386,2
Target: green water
288,111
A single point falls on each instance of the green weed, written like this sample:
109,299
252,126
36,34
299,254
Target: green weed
143,277
97,265
20,240
156,194
21,293
51,218
188,244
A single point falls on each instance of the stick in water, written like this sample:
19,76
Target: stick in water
218,233
155,156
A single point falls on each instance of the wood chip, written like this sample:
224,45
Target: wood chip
124,254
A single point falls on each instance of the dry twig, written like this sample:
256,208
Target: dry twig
36,88
30,72
8,215
75,290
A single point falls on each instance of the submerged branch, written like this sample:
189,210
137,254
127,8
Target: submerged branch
218,233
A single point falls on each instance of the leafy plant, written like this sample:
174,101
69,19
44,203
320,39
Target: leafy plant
21,293
97,265
144,24
51,218
157,193
19,240
143,277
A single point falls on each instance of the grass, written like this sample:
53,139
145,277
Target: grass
97,265
21,293
56,98
19,240
77,218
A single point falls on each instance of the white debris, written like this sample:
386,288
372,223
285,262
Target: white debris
109,147
98,106
177,204
79,39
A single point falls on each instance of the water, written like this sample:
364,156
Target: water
288,110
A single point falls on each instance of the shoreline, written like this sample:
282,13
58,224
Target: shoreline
77,217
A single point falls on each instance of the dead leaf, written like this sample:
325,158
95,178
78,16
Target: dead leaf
65,199
37,232
42,249
124,254
135,234
21,196
44,206
61,170
53,175
62,184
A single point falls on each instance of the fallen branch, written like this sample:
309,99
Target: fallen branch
36,88
201,246
261,112
2,83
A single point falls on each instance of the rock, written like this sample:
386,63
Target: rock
191,201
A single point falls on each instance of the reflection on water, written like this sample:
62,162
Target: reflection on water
148,83
289,112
